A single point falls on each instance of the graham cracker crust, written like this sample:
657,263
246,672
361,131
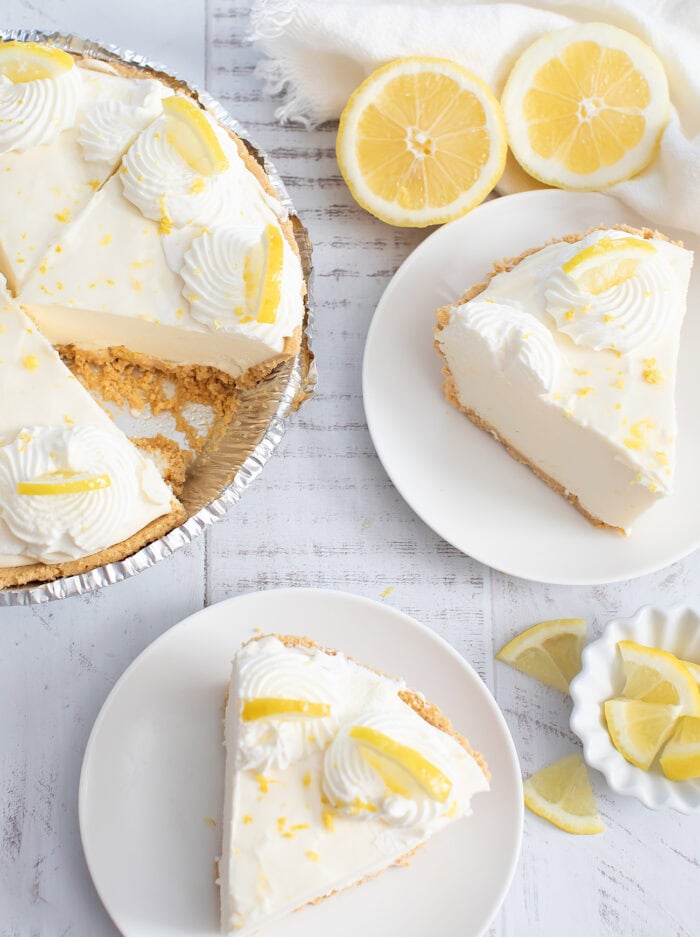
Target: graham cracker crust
449,387
428,711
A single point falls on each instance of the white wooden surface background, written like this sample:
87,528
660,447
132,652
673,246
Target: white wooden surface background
323,514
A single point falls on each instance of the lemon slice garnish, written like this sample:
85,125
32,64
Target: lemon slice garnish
656,676
62,483
429,777
421,141
680,759
262,275
30,61
586,106
607,263
562,794
191,134
638,729
263,707
550,651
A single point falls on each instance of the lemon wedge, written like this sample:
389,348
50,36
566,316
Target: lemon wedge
656,676
550,651
607,263
680,759
638,730
427,775
262,275
30,61
586,106
421,141
562,794
263,707
63,483
191,134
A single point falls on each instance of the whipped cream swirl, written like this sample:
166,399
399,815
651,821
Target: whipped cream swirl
162,184
622,318
61,527
267,668
524,347
357,789
109,127
35,112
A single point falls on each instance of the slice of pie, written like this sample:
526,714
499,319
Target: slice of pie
64,125
567,355
74,491
334,773
183,257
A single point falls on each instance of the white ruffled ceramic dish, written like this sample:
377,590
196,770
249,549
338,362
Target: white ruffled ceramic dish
601,678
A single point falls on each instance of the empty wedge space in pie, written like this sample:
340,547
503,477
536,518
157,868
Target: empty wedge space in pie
133,226
567,355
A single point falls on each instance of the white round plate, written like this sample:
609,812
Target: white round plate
602,677
458,479
154,768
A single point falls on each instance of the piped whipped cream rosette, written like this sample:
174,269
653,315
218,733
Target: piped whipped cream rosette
333,773
70,492
568,356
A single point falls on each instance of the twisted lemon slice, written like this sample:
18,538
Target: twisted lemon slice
561,793
262,275
64,483
421,141
680,760
429,777
189,131
265,706
30,61
549,651
607,263
586,106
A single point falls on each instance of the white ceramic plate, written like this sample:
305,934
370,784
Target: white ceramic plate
154,768
602,678
457,478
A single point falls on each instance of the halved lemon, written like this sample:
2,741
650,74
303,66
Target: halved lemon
680,759
421,141
562,794
586,106
638,730
191,134
30,61
550,651
607,263
656,676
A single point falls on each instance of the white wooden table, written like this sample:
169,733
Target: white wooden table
323,514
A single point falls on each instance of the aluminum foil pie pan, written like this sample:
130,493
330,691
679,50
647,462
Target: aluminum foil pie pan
217,481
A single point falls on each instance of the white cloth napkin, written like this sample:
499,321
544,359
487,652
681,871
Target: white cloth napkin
318,51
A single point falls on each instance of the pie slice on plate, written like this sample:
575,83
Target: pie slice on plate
567,355
334,773
74,491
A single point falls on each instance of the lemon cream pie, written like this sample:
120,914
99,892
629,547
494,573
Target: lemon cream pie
74,491
334,772
181,257
567,355
135,231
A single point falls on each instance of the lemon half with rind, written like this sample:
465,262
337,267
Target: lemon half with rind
562,794
421,142
549,651
31,61
586,106
680,759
